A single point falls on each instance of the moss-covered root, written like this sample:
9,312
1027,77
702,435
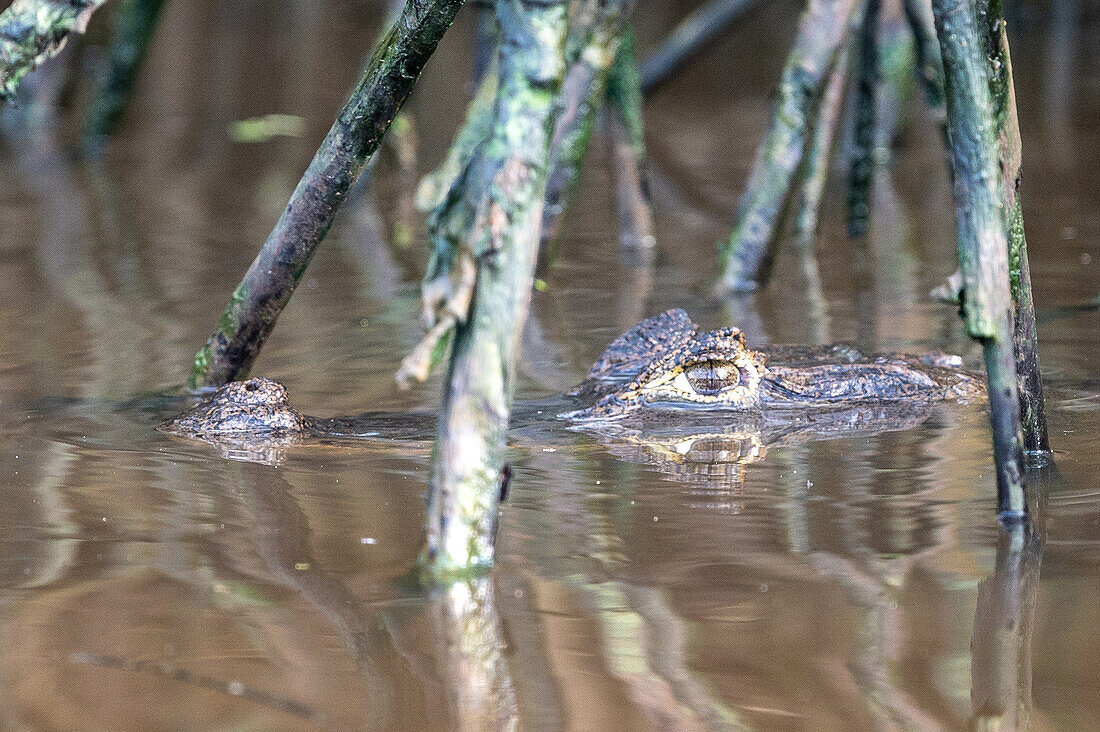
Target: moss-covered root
594,36
687,39
982,226
628,155
32,31
354,136
134,24
745,258
815,168
1025,337
492,216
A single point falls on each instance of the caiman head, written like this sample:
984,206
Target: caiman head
673,366
664,362
257,406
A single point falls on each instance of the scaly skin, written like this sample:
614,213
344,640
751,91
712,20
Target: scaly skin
663,372
717,371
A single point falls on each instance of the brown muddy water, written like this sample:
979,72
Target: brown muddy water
150,583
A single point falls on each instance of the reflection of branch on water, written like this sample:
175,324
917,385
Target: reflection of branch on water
72,207
645,646
1003,623
467,634
537,691
870,595
229,688
878,634
462,616
644,642
282,538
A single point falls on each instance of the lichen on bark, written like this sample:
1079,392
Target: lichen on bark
32,31
982,224
490,220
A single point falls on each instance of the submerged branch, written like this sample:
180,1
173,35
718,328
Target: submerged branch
32,31
353,138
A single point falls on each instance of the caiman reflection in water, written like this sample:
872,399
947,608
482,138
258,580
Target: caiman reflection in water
660,393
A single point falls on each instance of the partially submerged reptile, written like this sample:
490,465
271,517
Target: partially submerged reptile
662,384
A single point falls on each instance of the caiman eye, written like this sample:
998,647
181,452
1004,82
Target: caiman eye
710,378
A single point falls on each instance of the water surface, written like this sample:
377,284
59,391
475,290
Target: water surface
151,583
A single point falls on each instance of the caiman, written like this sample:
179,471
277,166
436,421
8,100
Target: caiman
662,386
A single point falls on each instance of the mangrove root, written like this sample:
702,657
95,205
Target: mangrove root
337,165
32,31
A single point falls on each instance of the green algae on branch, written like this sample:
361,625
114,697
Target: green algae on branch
745,257
982,229
32,31
1024,337
337,165
490,218
135,21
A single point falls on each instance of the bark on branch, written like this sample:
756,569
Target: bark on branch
32,31
353,138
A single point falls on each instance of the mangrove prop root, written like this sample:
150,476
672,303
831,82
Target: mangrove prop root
632,206
896,60
486,39
594,38
624,92
815,167
492,215
135,21
862,167
918,13
32,31
433,187
628,156
745,258
1025,336
691,36
982,228
337,165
